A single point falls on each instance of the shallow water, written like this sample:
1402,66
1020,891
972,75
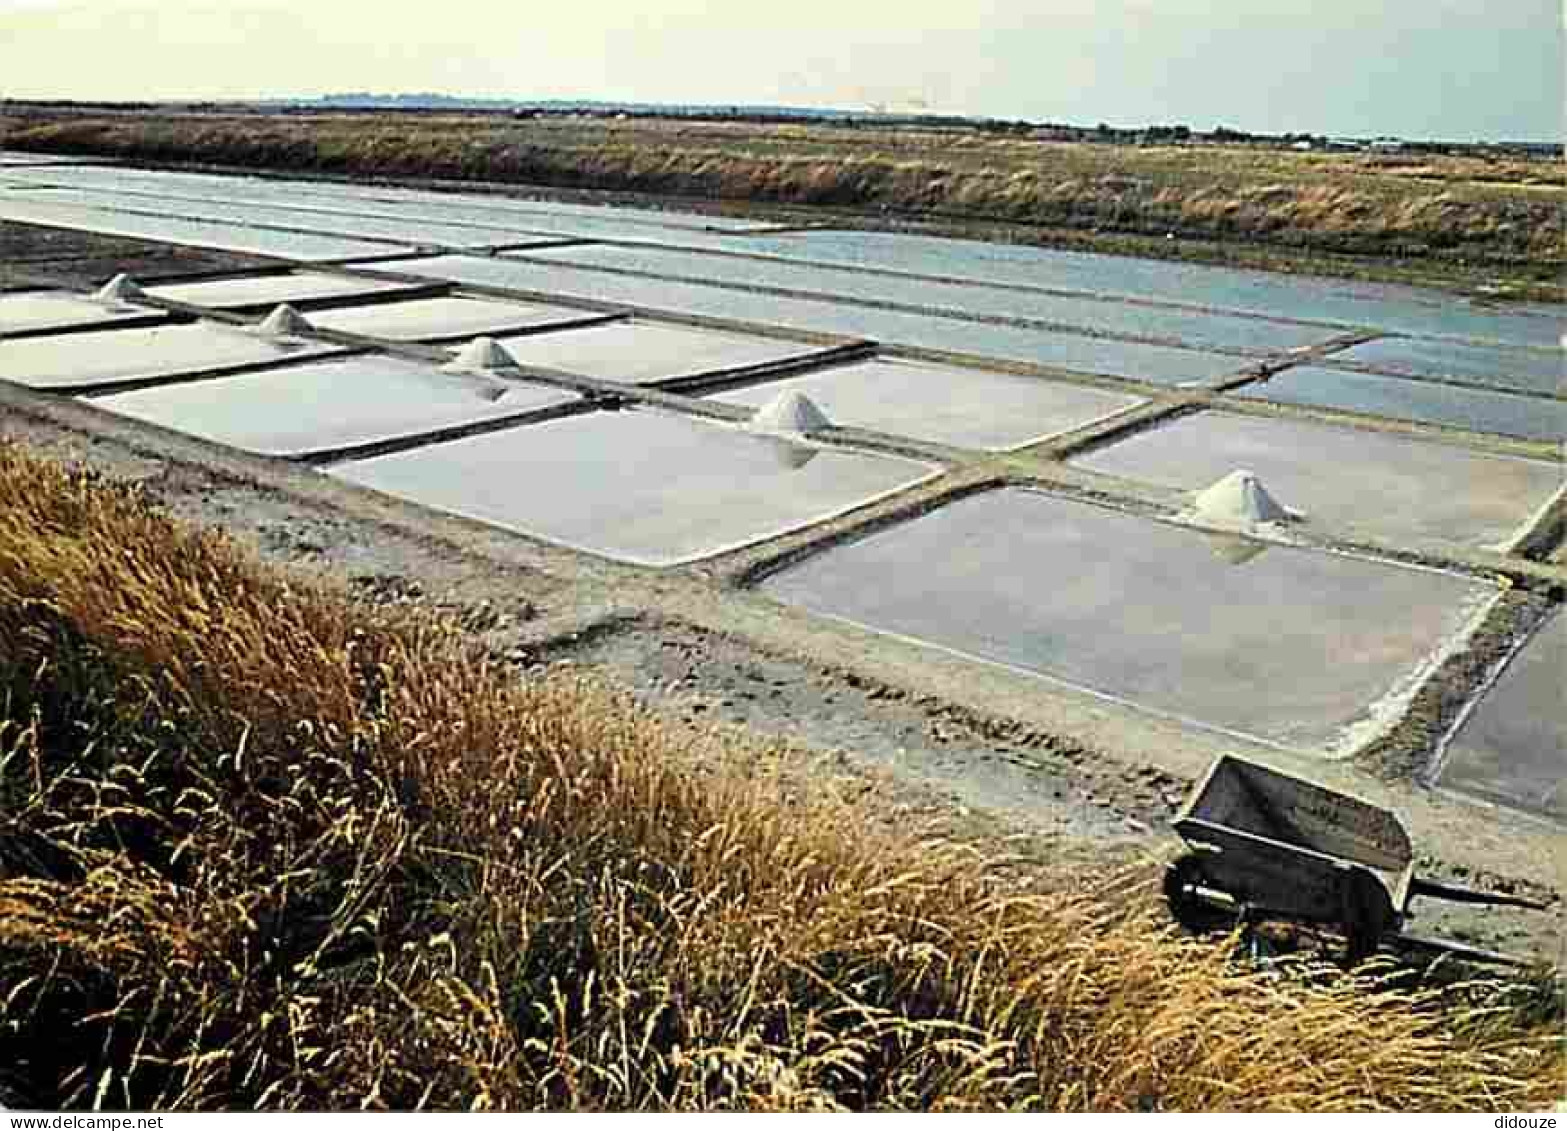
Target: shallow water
1159,364
222,237
1289,646
330,222
970,408
1403,309
46,310
258,290
427,319
1527,370
1513,748
1532,418
637,485
329,405
1110,317
641,352
77,362
1398,487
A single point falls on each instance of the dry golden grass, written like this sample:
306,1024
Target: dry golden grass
1459,221
261,847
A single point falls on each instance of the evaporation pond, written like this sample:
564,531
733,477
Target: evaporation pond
639,485
970,297
55,310
198,233
1290,646
972,408
638,352
1394,486
1533,418
265,290
1513,748
1531,370
428,319
1162,364
79,362
336,404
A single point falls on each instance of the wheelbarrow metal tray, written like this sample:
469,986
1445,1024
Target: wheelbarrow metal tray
1285,843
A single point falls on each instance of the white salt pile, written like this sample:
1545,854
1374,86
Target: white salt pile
284,322
789,414
121,288
787,454
480,355
1240,499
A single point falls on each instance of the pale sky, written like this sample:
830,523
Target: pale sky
1459,69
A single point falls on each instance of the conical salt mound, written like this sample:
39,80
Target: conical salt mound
1235,550
787,454
284,322
481,353
121,288
791,414
1240,497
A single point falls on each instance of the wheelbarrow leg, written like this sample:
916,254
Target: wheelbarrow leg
1367,914
1190,910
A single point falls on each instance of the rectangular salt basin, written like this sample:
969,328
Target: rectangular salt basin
197,233
354,213
357,224
643,352
265,290
431,319
1529,370
51,310
970,408
971,298
489,203
1533,418
1158,364
1422,489
1407,310
78,362
315,408
1291,646
1513,748
350,195
638,485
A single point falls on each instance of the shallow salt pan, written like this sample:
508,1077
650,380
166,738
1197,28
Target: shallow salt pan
78,362
59,310
1159,364
1289,646
431,319
963,407
312,408
638,485
1532,418
1513,748
1397,487
267,290
638,352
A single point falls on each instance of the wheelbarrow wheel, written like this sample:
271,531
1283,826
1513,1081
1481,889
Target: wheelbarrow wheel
1190,911
1367,914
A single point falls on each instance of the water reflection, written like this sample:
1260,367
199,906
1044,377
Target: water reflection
1233,549
789,455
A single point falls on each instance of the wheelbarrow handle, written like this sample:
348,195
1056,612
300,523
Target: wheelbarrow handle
1437,890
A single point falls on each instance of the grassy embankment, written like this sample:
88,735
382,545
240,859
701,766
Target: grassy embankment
1490,227
263,847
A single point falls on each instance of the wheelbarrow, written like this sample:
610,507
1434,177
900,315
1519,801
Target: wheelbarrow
1265,845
